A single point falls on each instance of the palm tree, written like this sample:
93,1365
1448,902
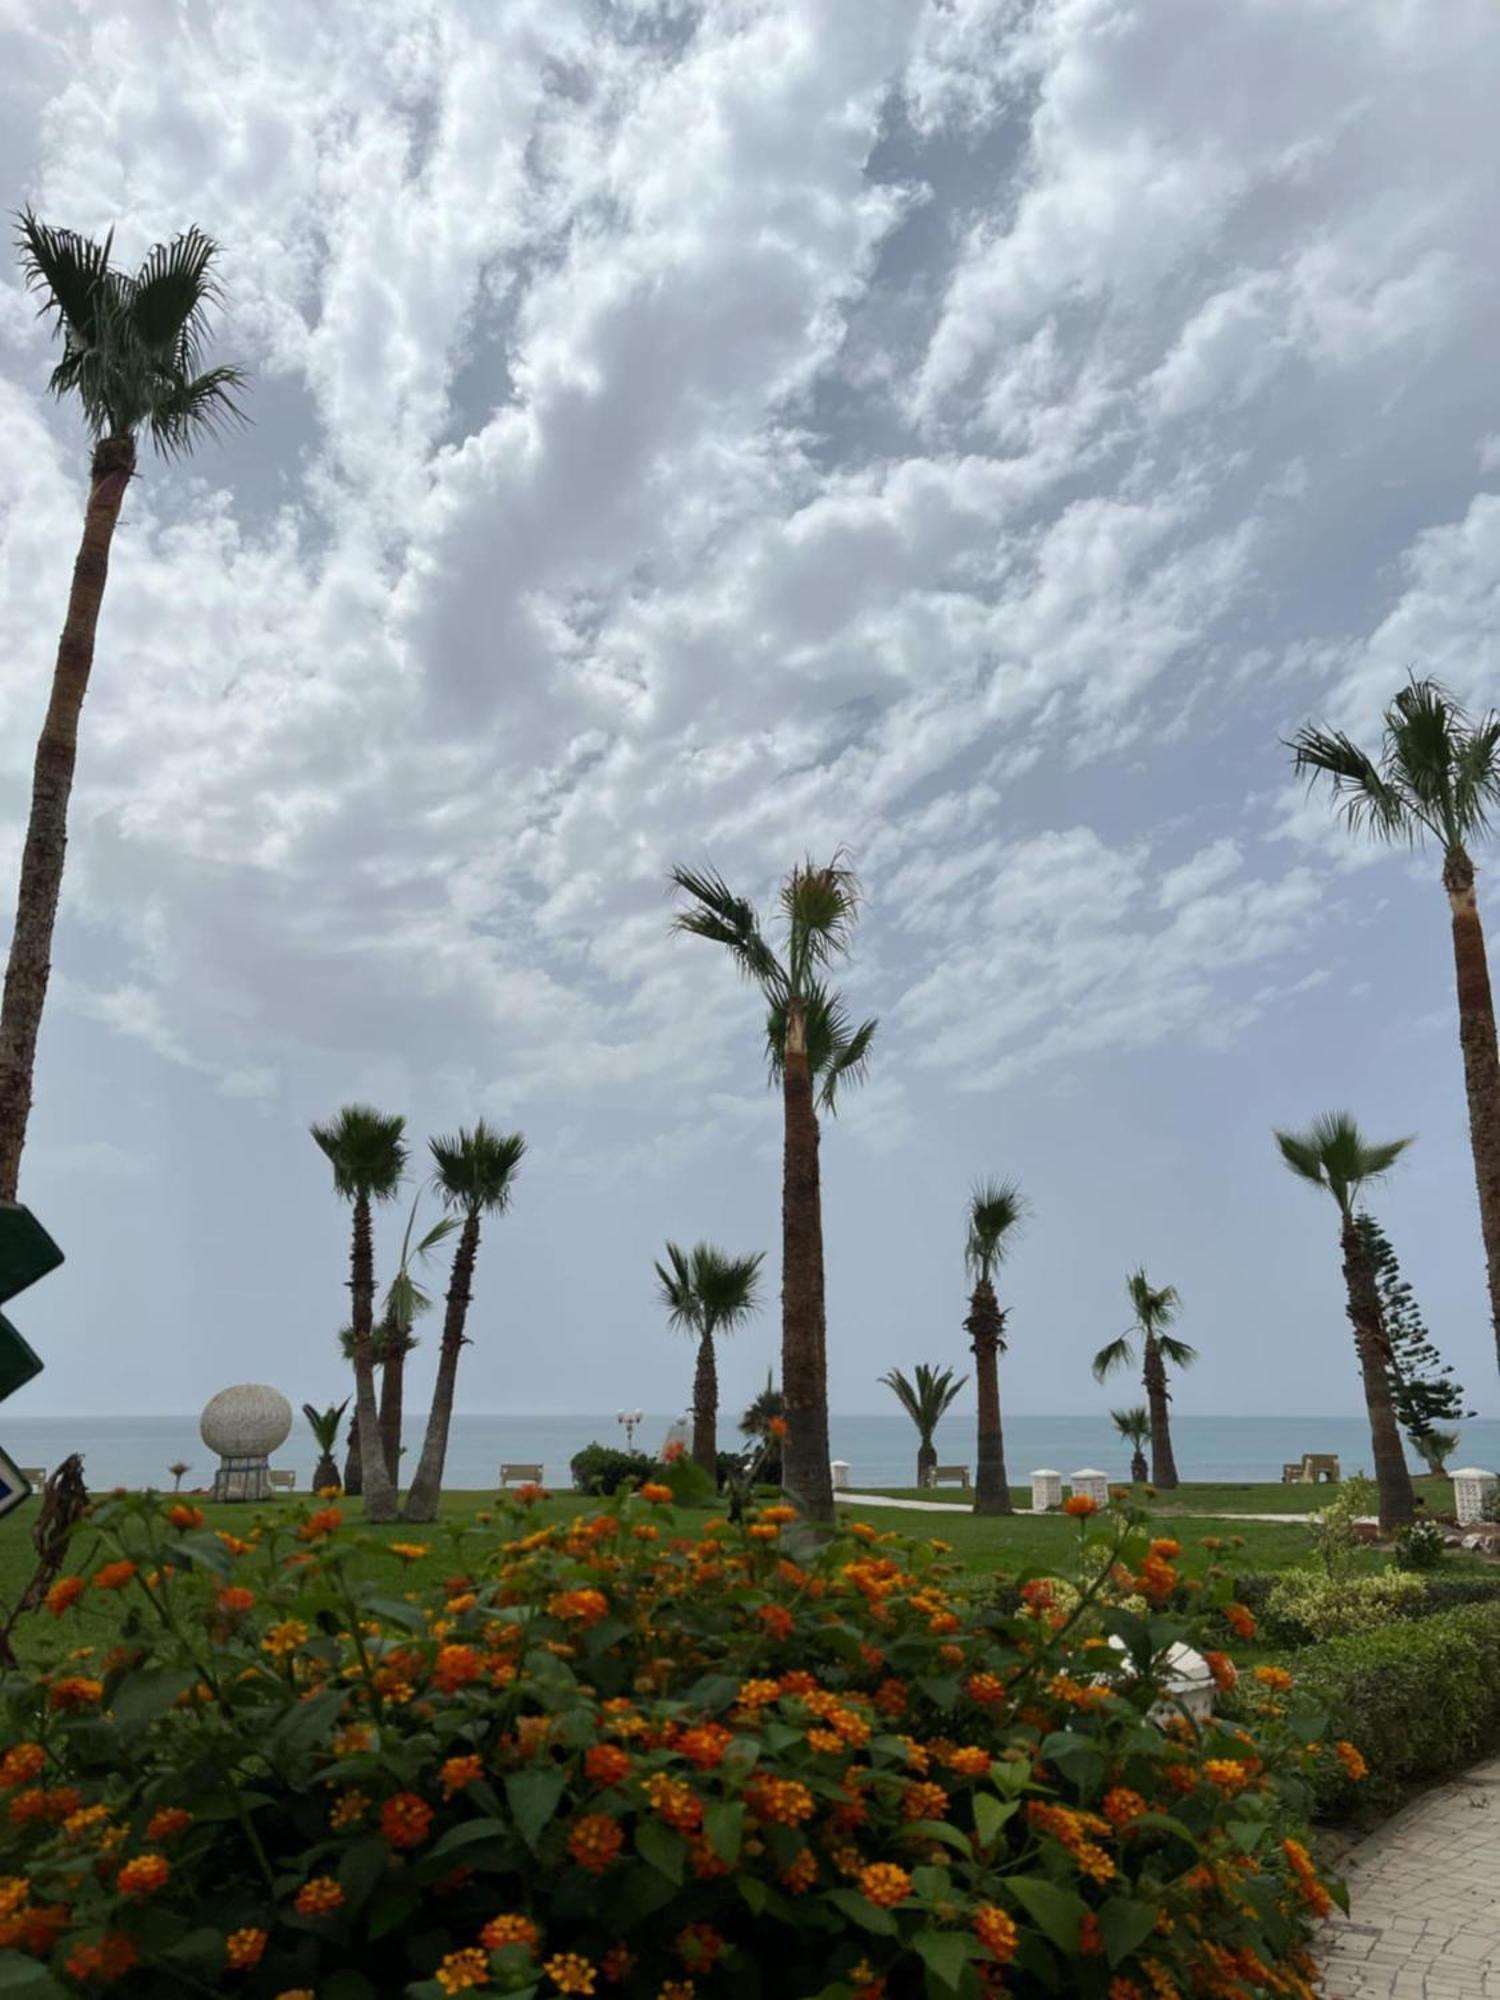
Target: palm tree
1135,1427
813,1048
995,1210
926,1400
768,1407
1156,1308
405,1300
367,1151
1334,1155
475,1174
707,1292
1437,773
132,354
324,1425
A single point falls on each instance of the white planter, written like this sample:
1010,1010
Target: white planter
1046,1491
1092,1483
1472,1486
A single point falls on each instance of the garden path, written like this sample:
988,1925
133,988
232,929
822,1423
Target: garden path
1424,1921
967,1507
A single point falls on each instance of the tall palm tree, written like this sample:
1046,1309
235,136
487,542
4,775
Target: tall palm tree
475,1173
707,1292
1156,1308
367,1151
132,356
1134,1425
1438,773
1334,1155
405,1301
324,1425
995,1211
813,1049
926,1399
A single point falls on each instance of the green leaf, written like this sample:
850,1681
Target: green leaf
533,1797
1135,1633
780,1736
361,1867
940,1689
1247,1834
469,1833
860,1910
725,1826
395,1611
945,1953
304,1725
1056,1912
142,1696
1123,1925
391,1912
991,1815
1075,1756
26,1980
203,1948
936,1829
754,1892
666,1851
346,1986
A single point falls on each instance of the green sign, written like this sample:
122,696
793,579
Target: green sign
27,1253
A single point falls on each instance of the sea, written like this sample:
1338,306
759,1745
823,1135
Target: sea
879,1450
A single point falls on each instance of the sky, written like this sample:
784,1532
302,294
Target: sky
970,433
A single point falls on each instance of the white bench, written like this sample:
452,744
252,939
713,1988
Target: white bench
34,1475
283,1482
951,1475
522,1475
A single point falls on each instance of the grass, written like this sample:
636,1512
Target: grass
1207,1498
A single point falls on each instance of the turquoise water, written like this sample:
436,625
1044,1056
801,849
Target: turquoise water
880,1450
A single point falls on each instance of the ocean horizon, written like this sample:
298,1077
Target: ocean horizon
880,1450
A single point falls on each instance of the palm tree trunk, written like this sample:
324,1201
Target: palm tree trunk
30,961
1476,1034
325,1473
926,1460
807,1472
379,1494
1139,1472
1398,1503
706,1409
1158,1402
354,1484
986,1328
427,1486
392,1395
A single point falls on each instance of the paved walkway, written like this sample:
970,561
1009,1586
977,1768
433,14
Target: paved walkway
967,1507
1424,1889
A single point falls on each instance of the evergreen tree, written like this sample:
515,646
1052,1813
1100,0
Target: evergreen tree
1422,1386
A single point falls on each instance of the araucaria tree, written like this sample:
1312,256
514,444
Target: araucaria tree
995,1209
475,1174
133,358
814,1049
1134,1425
1423,1387
706,1293
1156,1308
367,1151
1334,1155
1437,773
925,1398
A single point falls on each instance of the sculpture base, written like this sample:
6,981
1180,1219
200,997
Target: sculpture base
243,1479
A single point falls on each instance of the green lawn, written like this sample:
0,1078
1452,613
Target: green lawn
1200,1498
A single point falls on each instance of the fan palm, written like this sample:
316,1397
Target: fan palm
1156,1308
758,1421
926,1398
995,1211
1437,773
814,1049
405,1301
132,356
367,1151
1334,1155
324,1425
707,1292
475,1174
1134,1426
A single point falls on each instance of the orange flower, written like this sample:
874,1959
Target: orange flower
1080,1504
656,1493
529,1493
763,1531
319,1897
144,1876
114,1576
243,1949
409,1552
777,1620
884,1884
924,1801
1227,1773
606,1763
406,1820
617,1963
1274,1677
595,1842
800,1873
284,1638
1166,1548
677,1803
1223,1670
74,1691
984,1688
21,1764
579,1607
968,1760
777,1427
779,1801
1239,1621
64,1594
170,1820
235,1545
235,1599
456,1667
461,1971
570,1973
1090,1937
1121,1806
322,1523
103,1963
509,1929
700,1947
460,1771
183,1516
705,1745
350,1808
996,1931
1351,1760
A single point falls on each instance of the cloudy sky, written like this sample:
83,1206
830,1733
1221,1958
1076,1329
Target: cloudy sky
969,431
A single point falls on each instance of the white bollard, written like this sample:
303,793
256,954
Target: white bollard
1046,1491
1093,1483
840,1470
1472,1486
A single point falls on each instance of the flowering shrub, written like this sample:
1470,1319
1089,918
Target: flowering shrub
1420,1545
1306,1608
610,1755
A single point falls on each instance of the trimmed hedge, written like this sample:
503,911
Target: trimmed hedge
1443,1590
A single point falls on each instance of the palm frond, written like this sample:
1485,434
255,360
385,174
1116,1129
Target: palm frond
996,1208
1155,1306
716,913
1364,794
169,296
1476,777
1178,1352
367,1151
675,1289
69,270
188,410
837,1053
1134,1425
475,1168
820,905
1334,1154
927,1397
1117,1354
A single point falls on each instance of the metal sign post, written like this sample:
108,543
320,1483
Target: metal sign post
27,1253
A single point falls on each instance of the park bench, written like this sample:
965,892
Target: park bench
1312,1467
34,1475
951,1475
524,1475
283,1482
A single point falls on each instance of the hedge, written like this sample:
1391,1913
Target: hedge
1442,1591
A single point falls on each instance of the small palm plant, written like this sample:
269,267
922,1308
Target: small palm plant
324,1425
1156,1308
475,1173
926,1399
1134,1426
995,1212
133,351
706,1293
179,1469
1334,1155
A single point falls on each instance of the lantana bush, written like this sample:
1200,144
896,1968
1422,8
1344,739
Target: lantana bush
647,1754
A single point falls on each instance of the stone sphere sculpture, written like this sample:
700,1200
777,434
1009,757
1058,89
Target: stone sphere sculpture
244,1425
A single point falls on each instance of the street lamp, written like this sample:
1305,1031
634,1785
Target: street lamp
629,1418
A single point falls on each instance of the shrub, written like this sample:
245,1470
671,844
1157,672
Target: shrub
613,1751
1335,1539
600,1469
1305,1607
1420,1546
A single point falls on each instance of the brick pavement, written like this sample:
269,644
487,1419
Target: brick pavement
1424,1889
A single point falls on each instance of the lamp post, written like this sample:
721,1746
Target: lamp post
629,1418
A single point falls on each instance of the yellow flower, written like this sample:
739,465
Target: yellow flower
570,1973
284,1638
410,1551
460,1971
